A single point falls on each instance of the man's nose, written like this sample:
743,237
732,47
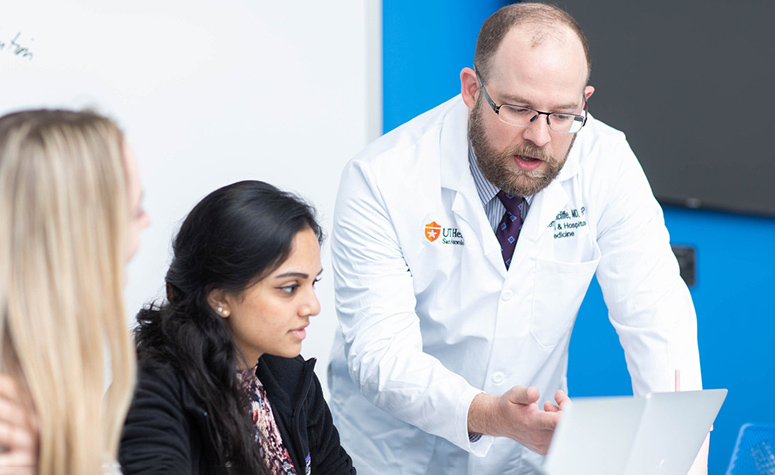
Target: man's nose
538,131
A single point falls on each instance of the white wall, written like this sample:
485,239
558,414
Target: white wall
208,93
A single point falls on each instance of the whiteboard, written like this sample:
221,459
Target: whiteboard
208,93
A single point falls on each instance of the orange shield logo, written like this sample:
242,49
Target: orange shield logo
432,231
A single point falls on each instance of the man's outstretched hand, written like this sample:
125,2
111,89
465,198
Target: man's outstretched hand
516,415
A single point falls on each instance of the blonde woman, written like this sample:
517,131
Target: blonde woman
70,218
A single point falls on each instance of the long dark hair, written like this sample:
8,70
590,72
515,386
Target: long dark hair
234,237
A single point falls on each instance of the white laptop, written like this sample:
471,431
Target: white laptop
659,434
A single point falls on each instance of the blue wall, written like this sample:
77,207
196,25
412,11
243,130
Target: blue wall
426,44
735,322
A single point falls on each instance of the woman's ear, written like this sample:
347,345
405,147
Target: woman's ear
216,298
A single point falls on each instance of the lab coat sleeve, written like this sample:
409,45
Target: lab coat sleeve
649,304
376,309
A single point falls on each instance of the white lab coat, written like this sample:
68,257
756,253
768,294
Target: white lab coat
427,325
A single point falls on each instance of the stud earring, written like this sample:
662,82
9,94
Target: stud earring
220,309
225,313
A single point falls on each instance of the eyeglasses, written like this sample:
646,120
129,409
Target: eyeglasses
521,116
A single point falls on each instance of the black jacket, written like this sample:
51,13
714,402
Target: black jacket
167,432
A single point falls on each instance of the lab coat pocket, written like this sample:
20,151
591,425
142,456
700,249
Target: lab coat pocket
560,289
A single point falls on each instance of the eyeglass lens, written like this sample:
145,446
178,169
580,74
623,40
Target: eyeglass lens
523,116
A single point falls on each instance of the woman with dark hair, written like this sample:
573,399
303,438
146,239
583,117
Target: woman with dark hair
221,385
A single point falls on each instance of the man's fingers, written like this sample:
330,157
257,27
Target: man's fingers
563,401
549,420
523,395
525,422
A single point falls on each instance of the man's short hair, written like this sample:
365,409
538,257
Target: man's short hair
542,17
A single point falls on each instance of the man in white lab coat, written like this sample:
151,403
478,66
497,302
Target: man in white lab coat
453,352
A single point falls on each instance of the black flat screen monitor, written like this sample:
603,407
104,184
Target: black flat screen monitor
692,84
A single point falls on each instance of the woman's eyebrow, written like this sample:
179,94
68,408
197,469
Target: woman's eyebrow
300,275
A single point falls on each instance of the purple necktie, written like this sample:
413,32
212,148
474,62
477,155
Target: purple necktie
507,231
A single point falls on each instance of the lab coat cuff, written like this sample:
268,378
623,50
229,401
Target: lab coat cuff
482,444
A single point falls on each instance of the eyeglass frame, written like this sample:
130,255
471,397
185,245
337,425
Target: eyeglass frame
497,109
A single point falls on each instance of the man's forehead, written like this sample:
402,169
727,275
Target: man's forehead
540,60
535,35
534,40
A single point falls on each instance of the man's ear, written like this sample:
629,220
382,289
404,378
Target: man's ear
217,300
588,91
469,87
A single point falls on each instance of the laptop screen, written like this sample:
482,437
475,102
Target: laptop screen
658,434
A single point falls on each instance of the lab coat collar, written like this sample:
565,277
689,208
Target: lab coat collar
573,163
455,175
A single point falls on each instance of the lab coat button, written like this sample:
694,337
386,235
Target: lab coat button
506,295
498,377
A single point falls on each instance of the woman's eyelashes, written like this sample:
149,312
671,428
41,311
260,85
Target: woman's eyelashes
289,289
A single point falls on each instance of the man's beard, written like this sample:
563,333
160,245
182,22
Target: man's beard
498,167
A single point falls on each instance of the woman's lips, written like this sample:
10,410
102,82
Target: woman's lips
299,333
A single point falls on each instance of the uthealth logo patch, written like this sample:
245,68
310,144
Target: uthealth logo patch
434,231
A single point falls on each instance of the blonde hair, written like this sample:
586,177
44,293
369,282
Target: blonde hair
63,221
